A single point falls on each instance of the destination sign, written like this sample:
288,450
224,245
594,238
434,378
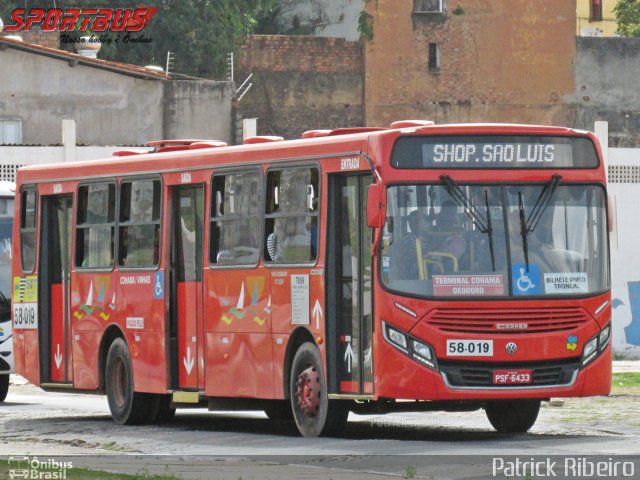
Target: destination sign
494,152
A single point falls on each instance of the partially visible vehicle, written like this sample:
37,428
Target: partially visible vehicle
7,192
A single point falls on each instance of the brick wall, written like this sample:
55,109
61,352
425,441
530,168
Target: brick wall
500,61
282,53
301,83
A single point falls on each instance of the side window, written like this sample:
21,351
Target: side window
95,225
291,217
235,219
28,216
139,231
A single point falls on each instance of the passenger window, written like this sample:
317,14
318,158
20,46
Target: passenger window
28,215
139,230
291,217
95,228
235,219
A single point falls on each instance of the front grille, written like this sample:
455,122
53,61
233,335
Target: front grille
478,374
507,321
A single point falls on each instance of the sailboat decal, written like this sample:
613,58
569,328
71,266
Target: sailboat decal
88,305
112,305
238,309
268,307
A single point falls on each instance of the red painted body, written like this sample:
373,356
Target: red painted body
235,325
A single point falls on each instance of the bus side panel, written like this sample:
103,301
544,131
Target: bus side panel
148,360
280,342
91,313
141,318
237,325
239,365
85,359
31,357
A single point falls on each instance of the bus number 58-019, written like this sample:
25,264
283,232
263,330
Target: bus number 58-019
25,316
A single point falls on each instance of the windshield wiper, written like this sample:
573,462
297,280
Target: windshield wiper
529,224
483,224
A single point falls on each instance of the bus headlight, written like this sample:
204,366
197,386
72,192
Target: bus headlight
423,353
590,350
413,348
596,345
397,338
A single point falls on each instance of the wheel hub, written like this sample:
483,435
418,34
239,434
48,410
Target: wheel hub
309,391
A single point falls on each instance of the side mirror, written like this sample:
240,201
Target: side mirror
376,205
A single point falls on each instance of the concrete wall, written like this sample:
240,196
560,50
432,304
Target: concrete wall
198,109
110,108
606,76
500,61
301,83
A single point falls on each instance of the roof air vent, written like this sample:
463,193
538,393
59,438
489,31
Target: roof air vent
412,123
315,133
262,139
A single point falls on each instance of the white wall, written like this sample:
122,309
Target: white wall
625,254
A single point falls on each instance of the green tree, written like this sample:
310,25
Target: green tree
628,16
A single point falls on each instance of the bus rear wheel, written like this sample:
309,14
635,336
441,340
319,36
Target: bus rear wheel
127,406
513,416
4,387
313,412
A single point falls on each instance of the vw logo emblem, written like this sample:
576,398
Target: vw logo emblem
511,348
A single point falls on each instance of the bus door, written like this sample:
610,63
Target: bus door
349,286
54,269
186,302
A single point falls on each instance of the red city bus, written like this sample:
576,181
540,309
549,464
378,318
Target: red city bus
410,268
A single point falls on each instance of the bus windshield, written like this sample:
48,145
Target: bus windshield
452,240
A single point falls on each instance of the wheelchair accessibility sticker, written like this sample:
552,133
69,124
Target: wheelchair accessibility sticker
526,282
158,285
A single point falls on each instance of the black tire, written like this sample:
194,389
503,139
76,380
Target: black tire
4,387
165,412
278,410
513,416
313,412
127,406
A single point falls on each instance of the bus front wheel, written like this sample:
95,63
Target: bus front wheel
127,406
313,412
4,387
513,416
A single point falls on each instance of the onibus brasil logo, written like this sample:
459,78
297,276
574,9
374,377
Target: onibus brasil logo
34,468
80,19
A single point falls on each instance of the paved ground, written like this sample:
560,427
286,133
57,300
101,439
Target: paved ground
202,444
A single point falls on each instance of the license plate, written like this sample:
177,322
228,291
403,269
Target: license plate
512,377
470,348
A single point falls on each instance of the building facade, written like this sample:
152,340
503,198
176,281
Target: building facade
470,61
112,103
595,18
